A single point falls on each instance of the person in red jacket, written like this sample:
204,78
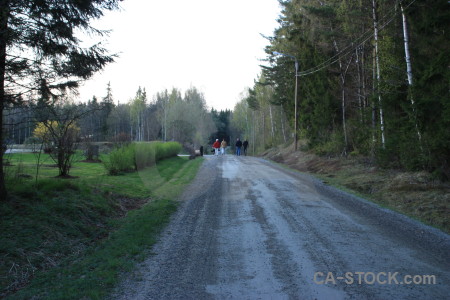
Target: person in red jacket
216,147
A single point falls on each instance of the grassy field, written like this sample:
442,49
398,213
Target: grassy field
71,238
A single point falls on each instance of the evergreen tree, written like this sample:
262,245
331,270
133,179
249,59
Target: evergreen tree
222,120
138,106
39,51
356,91
107,106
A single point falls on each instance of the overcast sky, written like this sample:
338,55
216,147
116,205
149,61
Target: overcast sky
210,44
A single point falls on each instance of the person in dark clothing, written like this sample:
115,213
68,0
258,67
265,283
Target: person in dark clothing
245,145
238,147
201,150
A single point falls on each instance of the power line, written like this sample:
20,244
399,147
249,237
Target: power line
351,47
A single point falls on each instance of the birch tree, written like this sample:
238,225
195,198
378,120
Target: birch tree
377,70
409,73
138,106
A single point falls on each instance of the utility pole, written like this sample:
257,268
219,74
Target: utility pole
295,96
295,110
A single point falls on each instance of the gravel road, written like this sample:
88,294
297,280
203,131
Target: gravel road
249,229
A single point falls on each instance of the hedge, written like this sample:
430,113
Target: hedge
139,155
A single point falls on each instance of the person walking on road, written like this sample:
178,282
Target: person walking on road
223,145
216,147
245,145
238,147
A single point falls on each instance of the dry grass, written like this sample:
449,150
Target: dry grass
415,194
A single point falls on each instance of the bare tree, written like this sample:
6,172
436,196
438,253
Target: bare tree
60,123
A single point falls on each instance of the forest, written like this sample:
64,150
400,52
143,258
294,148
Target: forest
372,80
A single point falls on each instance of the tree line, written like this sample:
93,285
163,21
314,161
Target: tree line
373,80
259,120
168,116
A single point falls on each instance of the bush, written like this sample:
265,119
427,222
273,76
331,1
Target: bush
144,155
166,150
137,156
334,146
91,151
120,160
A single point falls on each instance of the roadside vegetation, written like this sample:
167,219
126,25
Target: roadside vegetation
372,80
138,156
416,194
70,238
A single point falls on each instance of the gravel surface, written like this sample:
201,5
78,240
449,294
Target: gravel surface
249,229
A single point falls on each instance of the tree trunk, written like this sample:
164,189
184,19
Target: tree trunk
296,109
253,131
141,127
373,105
410,74
263,128
165,120
282,124
4,14
343,75
377,60
272,132
344,123
363,74
344,126
131,131
246,122
360,95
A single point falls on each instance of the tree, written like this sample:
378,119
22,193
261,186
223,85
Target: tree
42,131
377,70
138,106
107,106
162,101
40,52
196,113
355,91
222,120
409,73
59,132
258,117
90,125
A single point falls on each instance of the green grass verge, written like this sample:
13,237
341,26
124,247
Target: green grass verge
72,237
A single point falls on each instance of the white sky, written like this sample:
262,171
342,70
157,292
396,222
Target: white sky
210,44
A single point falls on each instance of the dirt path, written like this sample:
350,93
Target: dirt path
248,229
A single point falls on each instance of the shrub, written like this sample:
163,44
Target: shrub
137,156
120,160
166,150
333,146
144,155
91,151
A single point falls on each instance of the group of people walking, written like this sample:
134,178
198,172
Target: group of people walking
220,147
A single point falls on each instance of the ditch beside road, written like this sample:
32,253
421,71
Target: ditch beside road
249,229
